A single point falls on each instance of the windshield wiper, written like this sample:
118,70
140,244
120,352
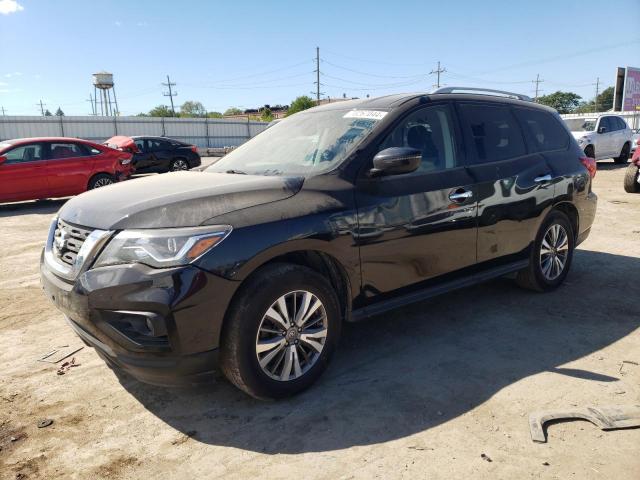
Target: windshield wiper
238,172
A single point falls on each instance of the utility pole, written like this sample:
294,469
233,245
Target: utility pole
597,92
537,81
438,71
170,94
3,111
93,106
318,75
41,107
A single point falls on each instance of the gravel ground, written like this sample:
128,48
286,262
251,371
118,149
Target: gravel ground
421,393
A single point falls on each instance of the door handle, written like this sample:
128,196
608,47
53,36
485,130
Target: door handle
543,178
460,195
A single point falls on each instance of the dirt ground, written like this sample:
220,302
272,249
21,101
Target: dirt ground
421,393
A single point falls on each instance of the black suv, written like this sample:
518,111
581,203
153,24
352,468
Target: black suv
157,154
334,214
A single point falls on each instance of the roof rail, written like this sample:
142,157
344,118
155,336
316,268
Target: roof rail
481,91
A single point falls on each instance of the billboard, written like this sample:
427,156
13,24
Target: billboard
627,96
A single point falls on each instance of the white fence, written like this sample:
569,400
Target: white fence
632,118
203,132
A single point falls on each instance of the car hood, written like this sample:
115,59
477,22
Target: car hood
177,199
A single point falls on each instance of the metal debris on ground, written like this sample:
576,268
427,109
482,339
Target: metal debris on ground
606,418
486,457
66,366
44,423
62,353
630,362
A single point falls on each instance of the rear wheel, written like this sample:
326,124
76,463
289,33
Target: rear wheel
551,255
100,180
624,154
178,164
280,331
631,179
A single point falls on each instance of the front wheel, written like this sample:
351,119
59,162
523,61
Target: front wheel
631,178
551,255
280,332
624,154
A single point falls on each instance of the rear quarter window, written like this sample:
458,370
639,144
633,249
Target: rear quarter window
543,130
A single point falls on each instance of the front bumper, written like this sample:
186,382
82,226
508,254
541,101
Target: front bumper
162,326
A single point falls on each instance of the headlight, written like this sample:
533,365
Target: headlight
160,248
584,140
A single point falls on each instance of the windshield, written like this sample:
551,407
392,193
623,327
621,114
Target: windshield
305,144
581,124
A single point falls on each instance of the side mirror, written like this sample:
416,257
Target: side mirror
396,160
2,159
602,130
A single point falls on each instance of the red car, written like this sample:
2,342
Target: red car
35,168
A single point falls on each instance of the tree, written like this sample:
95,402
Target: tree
232,111
192,109
214,115
161,111
605,100
299,104
47,113
563,102
267,115
59,112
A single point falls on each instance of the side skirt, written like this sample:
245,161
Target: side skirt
408,298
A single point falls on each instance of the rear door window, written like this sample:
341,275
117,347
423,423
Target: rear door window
494,131
157,145
24,153
61,150
543,131
622,125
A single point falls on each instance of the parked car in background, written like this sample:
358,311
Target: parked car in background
602,137
35,168
632,175
157,154
334,214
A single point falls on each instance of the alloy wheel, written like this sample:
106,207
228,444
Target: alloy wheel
179,165
102,182
291,335
554,252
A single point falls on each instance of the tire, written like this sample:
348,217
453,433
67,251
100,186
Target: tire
248,328
100,180
178,165
631,179
624,154
534,277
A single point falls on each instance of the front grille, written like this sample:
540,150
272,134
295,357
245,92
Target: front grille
67,241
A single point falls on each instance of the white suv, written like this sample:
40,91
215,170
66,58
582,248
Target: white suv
603,136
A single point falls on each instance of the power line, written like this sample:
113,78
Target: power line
170,94
438,71
378,62
365,73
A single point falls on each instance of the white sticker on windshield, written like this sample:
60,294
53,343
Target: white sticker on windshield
369,114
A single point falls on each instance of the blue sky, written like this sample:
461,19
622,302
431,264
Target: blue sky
250,53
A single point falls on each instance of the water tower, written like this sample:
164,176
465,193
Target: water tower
103,90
